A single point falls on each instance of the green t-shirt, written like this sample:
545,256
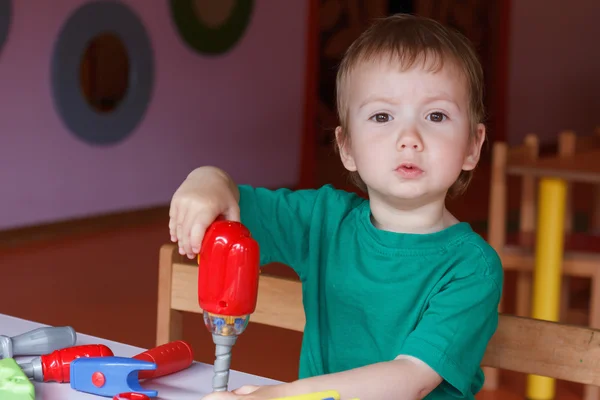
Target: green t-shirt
371,295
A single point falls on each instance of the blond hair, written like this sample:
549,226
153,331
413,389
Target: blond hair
408,39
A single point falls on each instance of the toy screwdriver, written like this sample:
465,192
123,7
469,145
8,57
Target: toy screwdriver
228,270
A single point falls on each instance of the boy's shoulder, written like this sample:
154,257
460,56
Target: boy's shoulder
477,256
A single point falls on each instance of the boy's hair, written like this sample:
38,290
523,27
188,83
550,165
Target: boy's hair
408,39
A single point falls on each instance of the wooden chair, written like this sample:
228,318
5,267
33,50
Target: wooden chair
518,255
569,145
520,344
502,156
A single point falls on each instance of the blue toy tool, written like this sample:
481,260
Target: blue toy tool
109,376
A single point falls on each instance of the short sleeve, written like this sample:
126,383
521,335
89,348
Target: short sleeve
455,329
280,221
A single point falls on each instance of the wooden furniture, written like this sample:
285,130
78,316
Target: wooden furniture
550,259
192,384
517,252
569,145
502,156
522,243
520,344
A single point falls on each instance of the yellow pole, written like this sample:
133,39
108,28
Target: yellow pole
547,274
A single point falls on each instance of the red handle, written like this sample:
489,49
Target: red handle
56,365
131,396
169,358
228,270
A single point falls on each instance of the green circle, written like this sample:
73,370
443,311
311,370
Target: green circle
205,39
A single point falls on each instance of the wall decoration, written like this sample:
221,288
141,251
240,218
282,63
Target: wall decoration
5,17
90,28
211,27
243,112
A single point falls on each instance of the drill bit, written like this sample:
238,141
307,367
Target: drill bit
223,346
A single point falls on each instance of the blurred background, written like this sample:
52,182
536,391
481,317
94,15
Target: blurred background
248,86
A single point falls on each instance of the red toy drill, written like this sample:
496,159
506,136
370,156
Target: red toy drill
228,270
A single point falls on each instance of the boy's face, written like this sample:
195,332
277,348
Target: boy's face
409,132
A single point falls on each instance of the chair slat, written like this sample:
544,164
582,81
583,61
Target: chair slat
551,349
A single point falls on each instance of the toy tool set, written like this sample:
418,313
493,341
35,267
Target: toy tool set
91,368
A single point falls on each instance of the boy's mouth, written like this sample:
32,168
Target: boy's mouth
409,170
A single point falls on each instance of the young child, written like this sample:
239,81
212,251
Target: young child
400,297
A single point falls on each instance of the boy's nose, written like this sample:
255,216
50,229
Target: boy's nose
410,140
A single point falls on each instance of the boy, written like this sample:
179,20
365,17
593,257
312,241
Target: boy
400,297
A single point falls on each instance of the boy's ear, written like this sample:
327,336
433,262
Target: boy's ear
474,151
343,144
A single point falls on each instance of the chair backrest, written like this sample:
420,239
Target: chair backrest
502,156
520,344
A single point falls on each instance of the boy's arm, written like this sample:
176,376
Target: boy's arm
402,379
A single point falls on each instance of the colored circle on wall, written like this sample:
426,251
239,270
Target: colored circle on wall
203,34
86,23
5,17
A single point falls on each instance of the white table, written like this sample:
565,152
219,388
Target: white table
192,383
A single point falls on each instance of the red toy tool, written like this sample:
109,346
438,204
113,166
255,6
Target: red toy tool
56,365
131,396
169,358
228,273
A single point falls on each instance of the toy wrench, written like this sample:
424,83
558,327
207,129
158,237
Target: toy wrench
109,376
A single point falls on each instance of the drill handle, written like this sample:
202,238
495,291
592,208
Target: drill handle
37,342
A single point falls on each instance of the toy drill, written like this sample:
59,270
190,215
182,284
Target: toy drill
228,270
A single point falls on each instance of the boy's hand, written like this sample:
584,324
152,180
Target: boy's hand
206,194
247,392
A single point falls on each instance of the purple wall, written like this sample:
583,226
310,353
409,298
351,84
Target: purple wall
554,80
241,111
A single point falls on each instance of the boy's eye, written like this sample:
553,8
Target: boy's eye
436,117
381,117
